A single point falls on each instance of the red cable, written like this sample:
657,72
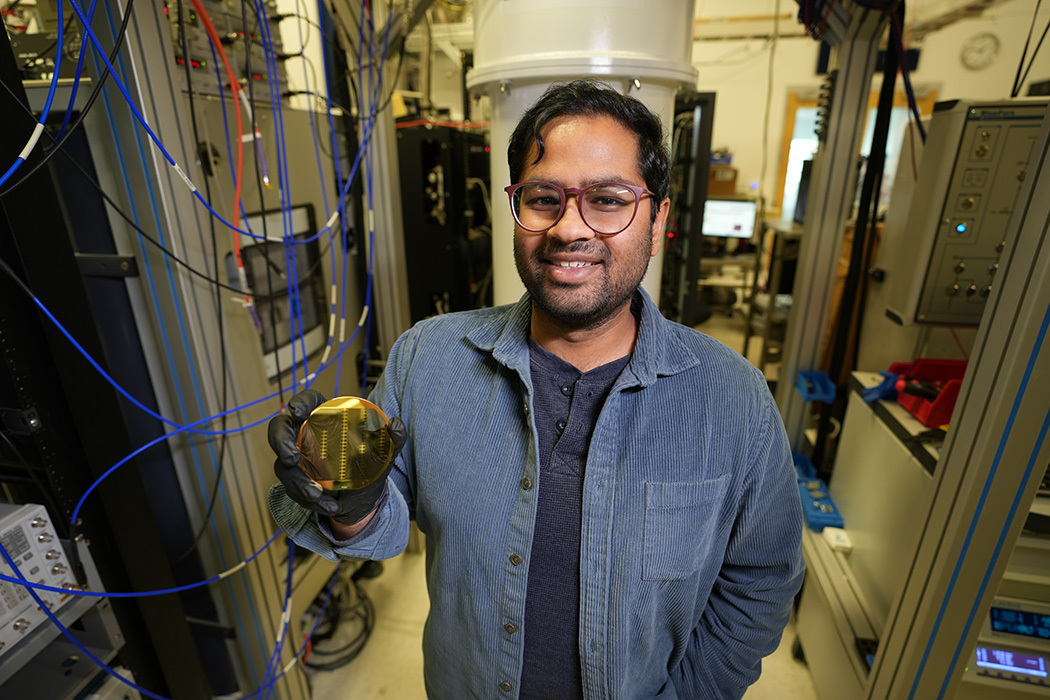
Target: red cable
213,36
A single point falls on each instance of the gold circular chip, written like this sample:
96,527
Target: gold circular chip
345,443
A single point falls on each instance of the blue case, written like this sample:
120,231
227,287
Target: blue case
818,508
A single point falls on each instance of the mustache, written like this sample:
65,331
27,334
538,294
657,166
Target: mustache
592,249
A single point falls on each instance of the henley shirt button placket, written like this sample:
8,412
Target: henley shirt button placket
561,425
516,559
505,687
567,389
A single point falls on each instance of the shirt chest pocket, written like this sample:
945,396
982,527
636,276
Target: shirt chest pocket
681,522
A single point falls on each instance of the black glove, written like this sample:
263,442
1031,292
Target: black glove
345,507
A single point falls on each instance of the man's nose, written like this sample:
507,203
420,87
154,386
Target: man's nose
571,226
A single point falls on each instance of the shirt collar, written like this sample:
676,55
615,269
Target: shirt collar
658,351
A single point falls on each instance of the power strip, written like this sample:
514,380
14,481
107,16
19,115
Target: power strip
27,535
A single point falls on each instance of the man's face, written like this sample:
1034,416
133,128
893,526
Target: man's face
577,278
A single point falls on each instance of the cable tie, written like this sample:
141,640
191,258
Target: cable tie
231,572
247,138
31,144
185,178
332,219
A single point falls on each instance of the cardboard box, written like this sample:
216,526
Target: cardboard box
721,179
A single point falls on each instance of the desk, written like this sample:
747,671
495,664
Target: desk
768,310
734,272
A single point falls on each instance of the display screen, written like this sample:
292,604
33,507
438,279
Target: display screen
1012,661
730,218
15,542
1029,624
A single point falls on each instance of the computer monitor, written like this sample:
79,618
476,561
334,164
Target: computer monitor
730,218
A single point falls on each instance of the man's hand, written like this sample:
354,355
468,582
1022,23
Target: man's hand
344,507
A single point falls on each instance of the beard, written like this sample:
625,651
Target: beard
594,302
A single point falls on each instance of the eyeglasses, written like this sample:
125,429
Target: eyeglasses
607,208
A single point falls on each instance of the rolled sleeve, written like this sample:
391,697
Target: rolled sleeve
384,537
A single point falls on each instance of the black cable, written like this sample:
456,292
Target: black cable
121,213
56,146
95,91
259,185
57,515
1024,52
218,291
1031,61
291,93
397,76
363,610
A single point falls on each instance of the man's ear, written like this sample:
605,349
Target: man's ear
658,227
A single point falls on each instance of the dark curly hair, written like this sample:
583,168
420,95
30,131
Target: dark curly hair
593,98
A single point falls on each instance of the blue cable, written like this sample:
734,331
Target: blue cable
99,662
81,55
275,661
221,491
35,137
191,427
142,120
321,10
291,263
145,594
368,179
180,317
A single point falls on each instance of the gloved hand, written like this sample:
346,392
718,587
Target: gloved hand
346,506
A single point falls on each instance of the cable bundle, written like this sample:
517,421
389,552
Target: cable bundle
112,71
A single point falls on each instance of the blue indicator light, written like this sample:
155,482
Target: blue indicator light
960,228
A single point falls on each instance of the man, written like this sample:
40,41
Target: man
608,497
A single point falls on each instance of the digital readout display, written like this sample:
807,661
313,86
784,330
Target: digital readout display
1011,661
1028,624
15,542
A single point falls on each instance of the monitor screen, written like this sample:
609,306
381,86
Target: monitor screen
730,218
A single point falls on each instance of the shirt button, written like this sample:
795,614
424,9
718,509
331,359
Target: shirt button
526,483
567,390
504,686
525,408
516,559
561,425
511,629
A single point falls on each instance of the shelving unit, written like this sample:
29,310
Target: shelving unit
766,318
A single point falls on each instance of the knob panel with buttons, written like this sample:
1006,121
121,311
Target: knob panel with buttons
28,537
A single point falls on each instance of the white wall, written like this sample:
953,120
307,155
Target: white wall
737,71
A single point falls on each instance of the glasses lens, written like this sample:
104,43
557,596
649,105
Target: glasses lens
537,206
608,207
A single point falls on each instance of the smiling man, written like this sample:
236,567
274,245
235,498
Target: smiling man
609,501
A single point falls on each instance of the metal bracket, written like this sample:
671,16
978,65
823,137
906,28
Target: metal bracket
93,265
19,422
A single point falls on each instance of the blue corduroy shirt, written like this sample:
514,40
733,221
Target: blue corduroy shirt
690,524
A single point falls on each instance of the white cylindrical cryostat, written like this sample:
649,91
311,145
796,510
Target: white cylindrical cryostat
522,46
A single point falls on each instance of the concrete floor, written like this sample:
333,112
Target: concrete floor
390,667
